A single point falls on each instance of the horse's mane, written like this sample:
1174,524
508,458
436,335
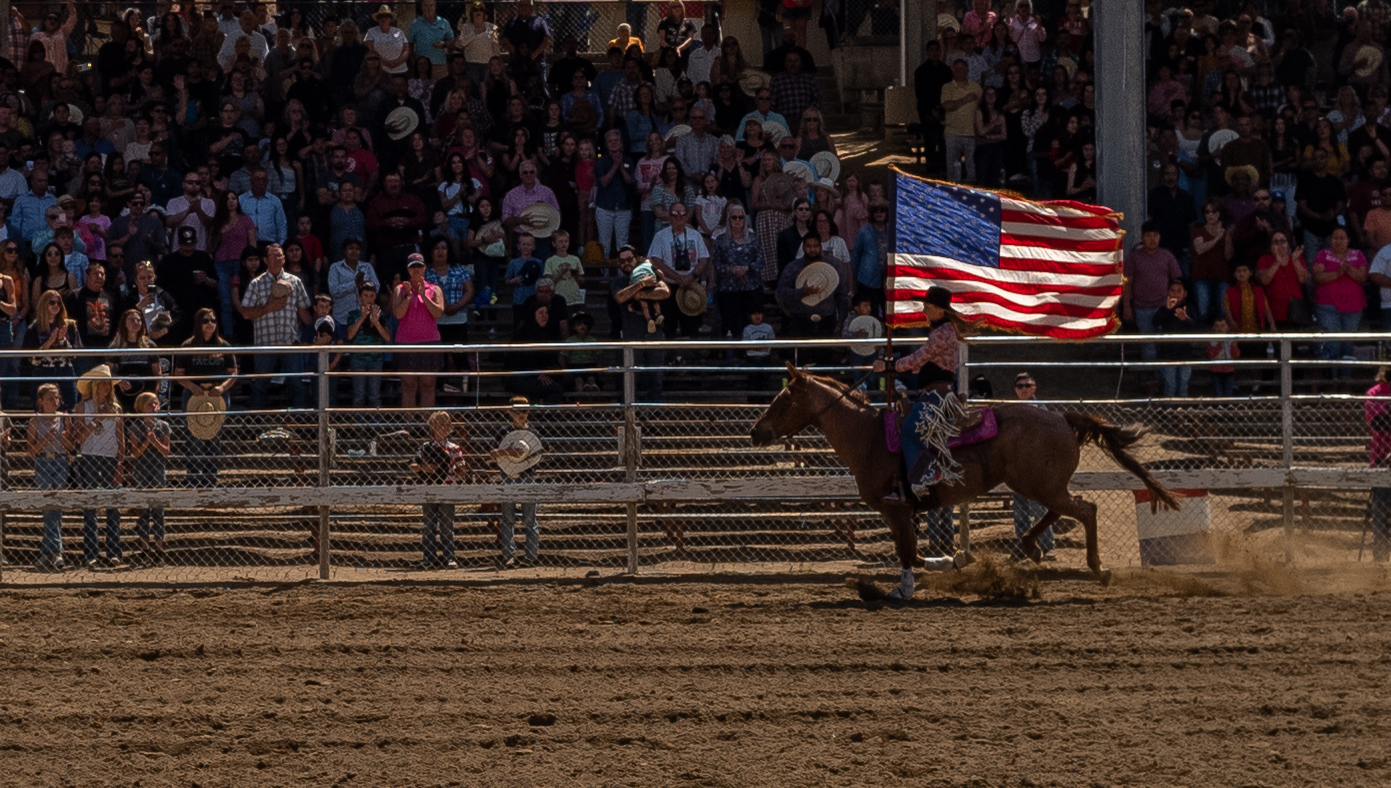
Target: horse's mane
854,395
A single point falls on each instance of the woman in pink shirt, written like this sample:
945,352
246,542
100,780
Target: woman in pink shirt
418,306
1339,274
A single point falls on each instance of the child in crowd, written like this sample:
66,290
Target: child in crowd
439,461
581,323
566,270
1224,375
584,185
147,445
529,447
366,327
50,442
759,355
98,225
314,257
524,270
645,274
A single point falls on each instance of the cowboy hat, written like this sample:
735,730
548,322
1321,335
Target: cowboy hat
89,378
865,327
826,165
774,131
821,277
753,80
205,415
939,297
1370,57
526,440
542,219
1250,172
385,10
679,130
691,299
400,123
800,170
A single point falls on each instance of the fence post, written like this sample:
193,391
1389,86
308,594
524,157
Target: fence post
630,452
963,360
1287,442
325,456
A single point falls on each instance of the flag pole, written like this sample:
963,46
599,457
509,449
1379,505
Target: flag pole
890,394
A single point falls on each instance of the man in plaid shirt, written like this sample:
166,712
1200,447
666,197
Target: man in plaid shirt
276,319
794,90
623,99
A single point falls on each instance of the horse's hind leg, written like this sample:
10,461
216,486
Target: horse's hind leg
1029,541
1083,511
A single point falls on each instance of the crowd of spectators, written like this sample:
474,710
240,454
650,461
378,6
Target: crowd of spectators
232,176
1268,131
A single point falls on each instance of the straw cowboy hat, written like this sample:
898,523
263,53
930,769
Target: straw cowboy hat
1250,172
774,131
385,10
400,123
691,299
91,377
1370,58
519,439
800,170
542,219
820,276
206,412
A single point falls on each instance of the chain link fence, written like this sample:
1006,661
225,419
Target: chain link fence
277,493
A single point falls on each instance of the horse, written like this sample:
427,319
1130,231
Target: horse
1034,453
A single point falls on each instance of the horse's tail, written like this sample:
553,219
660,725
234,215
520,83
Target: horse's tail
1114,441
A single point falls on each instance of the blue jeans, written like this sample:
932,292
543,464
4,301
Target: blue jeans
367,389
1026,513
291,365
941,530
1331,321
226,269
203,458
51,473
9,368
439,531
1144,323
1381,523
1209,293
1223,384
151,521
98,473
1176,380
509,534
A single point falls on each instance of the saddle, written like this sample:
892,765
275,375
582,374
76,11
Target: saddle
977,426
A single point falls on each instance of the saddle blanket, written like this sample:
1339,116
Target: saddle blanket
986,429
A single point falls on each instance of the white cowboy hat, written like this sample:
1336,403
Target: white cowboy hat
753,80
774,131
542,219
206,415
1220,138
826,165
679,130
400,123
520,439
1371,59
865,327
823,277
800,170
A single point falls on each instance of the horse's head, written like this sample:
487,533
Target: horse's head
790,412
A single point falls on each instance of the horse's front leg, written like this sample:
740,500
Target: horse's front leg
905,534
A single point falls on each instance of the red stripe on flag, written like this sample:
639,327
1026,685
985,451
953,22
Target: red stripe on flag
1071,222
948,274
967,297
1064,244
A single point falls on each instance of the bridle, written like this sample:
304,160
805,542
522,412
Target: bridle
817,415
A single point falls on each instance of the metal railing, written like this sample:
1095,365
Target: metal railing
632,482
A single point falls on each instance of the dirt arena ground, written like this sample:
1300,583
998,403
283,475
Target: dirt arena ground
992,677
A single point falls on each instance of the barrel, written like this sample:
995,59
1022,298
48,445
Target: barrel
1171,538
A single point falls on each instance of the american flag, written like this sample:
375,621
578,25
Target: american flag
1047,269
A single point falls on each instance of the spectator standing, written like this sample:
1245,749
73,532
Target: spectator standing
94,308
366,327
396,218
266,210
870,257
1025,511
211,373
193,210
346,222
794,90
1282,273
148,445
30,208
613,194
345,280
526,34
439,461
1248,149
54,37
521,197
232,231
478,38
277,305
763,112
1225,350
50,442
737,260
1172,318
102,445
431,36
635,327
418,306
699,150
1339,273
979,22
452,278
928,80
1172,209
1321,200
1149,268
812,312
1028,33
388,41
959,98
1210,268
529,447
679,254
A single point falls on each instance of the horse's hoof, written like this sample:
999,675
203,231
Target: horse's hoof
896,595
962,559
1104,576
1035,555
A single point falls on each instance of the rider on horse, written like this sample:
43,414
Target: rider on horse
933,418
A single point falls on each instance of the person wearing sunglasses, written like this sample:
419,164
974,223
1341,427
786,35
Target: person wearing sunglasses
1027,512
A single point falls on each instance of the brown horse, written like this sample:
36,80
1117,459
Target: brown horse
1035,454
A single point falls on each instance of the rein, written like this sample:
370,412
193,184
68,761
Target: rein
842,396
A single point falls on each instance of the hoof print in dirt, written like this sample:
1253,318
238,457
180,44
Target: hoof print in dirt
868,591
540,720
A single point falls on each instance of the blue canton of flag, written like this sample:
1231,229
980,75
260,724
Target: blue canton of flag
948,221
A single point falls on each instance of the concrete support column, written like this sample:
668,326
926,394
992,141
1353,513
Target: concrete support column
1120,110
919,26
5,29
